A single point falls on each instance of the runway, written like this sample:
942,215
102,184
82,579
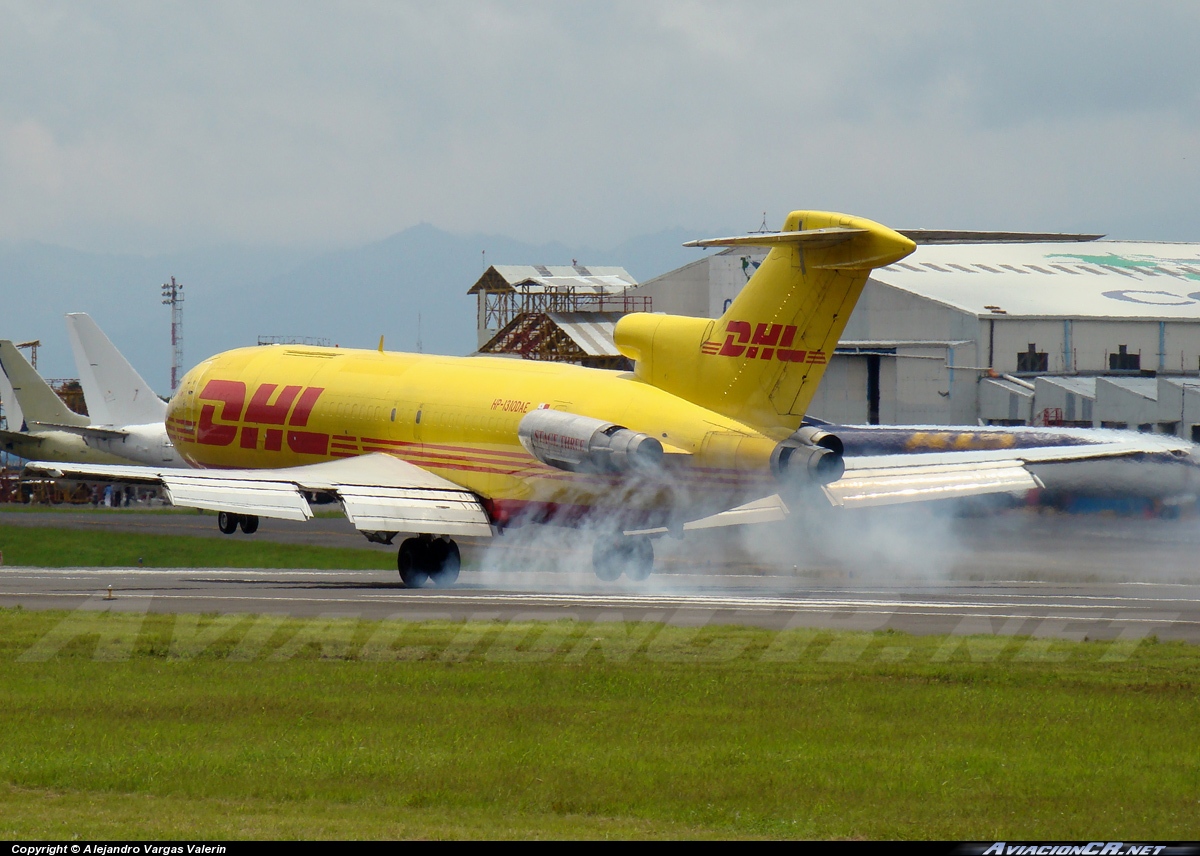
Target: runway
1010,575
1110,611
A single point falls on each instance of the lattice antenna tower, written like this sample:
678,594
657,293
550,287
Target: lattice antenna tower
172,293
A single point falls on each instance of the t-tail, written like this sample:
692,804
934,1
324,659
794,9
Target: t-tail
761,361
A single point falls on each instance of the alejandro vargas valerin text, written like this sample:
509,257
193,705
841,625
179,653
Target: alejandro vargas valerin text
118,849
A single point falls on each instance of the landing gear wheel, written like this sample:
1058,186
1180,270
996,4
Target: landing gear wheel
412,562
445,562
641,559
227,522
249,524
608,557
613,555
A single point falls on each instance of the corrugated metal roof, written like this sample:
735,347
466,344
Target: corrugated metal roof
583,279
591,331
1101,279
1085,386
1147,387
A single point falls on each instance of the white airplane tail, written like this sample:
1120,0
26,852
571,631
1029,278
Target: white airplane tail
114,391
38,402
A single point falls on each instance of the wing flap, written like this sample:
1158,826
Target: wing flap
378,492
442,512
893,485
261,498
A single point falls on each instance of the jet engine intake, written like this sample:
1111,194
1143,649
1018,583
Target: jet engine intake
582,444
810,456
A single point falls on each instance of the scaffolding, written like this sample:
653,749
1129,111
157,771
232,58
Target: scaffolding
70,391
499,306
582,338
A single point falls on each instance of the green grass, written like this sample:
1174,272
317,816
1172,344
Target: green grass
88,508
240,726
45,547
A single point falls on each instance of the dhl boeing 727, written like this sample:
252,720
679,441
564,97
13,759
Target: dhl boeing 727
707,425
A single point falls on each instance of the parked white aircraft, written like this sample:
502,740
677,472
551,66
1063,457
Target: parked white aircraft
45,420
127,418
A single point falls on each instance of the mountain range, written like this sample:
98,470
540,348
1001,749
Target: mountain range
233,295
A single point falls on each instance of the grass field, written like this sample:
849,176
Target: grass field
63,548
244,727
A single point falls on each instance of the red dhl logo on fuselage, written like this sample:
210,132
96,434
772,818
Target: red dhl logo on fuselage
276,415
764,342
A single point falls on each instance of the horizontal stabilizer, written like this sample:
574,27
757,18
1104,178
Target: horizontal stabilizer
860,488
84,430
21,437
812,238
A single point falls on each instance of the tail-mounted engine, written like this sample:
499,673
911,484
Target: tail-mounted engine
810,456
582,444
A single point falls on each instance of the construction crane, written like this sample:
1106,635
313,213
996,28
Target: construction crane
32,346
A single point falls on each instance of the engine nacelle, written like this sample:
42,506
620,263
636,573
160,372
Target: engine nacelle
582,444
810,456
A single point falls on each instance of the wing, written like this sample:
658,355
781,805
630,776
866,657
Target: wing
1079,460
1069,459
864,484
379,493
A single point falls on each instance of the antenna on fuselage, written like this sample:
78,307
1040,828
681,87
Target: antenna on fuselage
420,350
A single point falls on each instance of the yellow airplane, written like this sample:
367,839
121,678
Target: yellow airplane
704,431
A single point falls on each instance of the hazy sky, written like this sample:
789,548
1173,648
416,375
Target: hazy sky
153,126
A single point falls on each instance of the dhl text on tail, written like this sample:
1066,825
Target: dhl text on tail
706,430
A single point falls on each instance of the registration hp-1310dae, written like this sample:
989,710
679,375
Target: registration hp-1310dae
706,430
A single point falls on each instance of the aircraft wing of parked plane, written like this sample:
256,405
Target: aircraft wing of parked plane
708,427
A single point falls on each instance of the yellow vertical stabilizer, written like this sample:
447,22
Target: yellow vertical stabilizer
761,361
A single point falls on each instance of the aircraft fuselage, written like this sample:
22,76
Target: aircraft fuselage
281,406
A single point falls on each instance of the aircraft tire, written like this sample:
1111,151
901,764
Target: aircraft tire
227,522
249,523
445,564
411,561
641,559
609,556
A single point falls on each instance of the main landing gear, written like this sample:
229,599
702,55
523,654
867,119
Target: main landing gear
425,558
614,554
228,522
